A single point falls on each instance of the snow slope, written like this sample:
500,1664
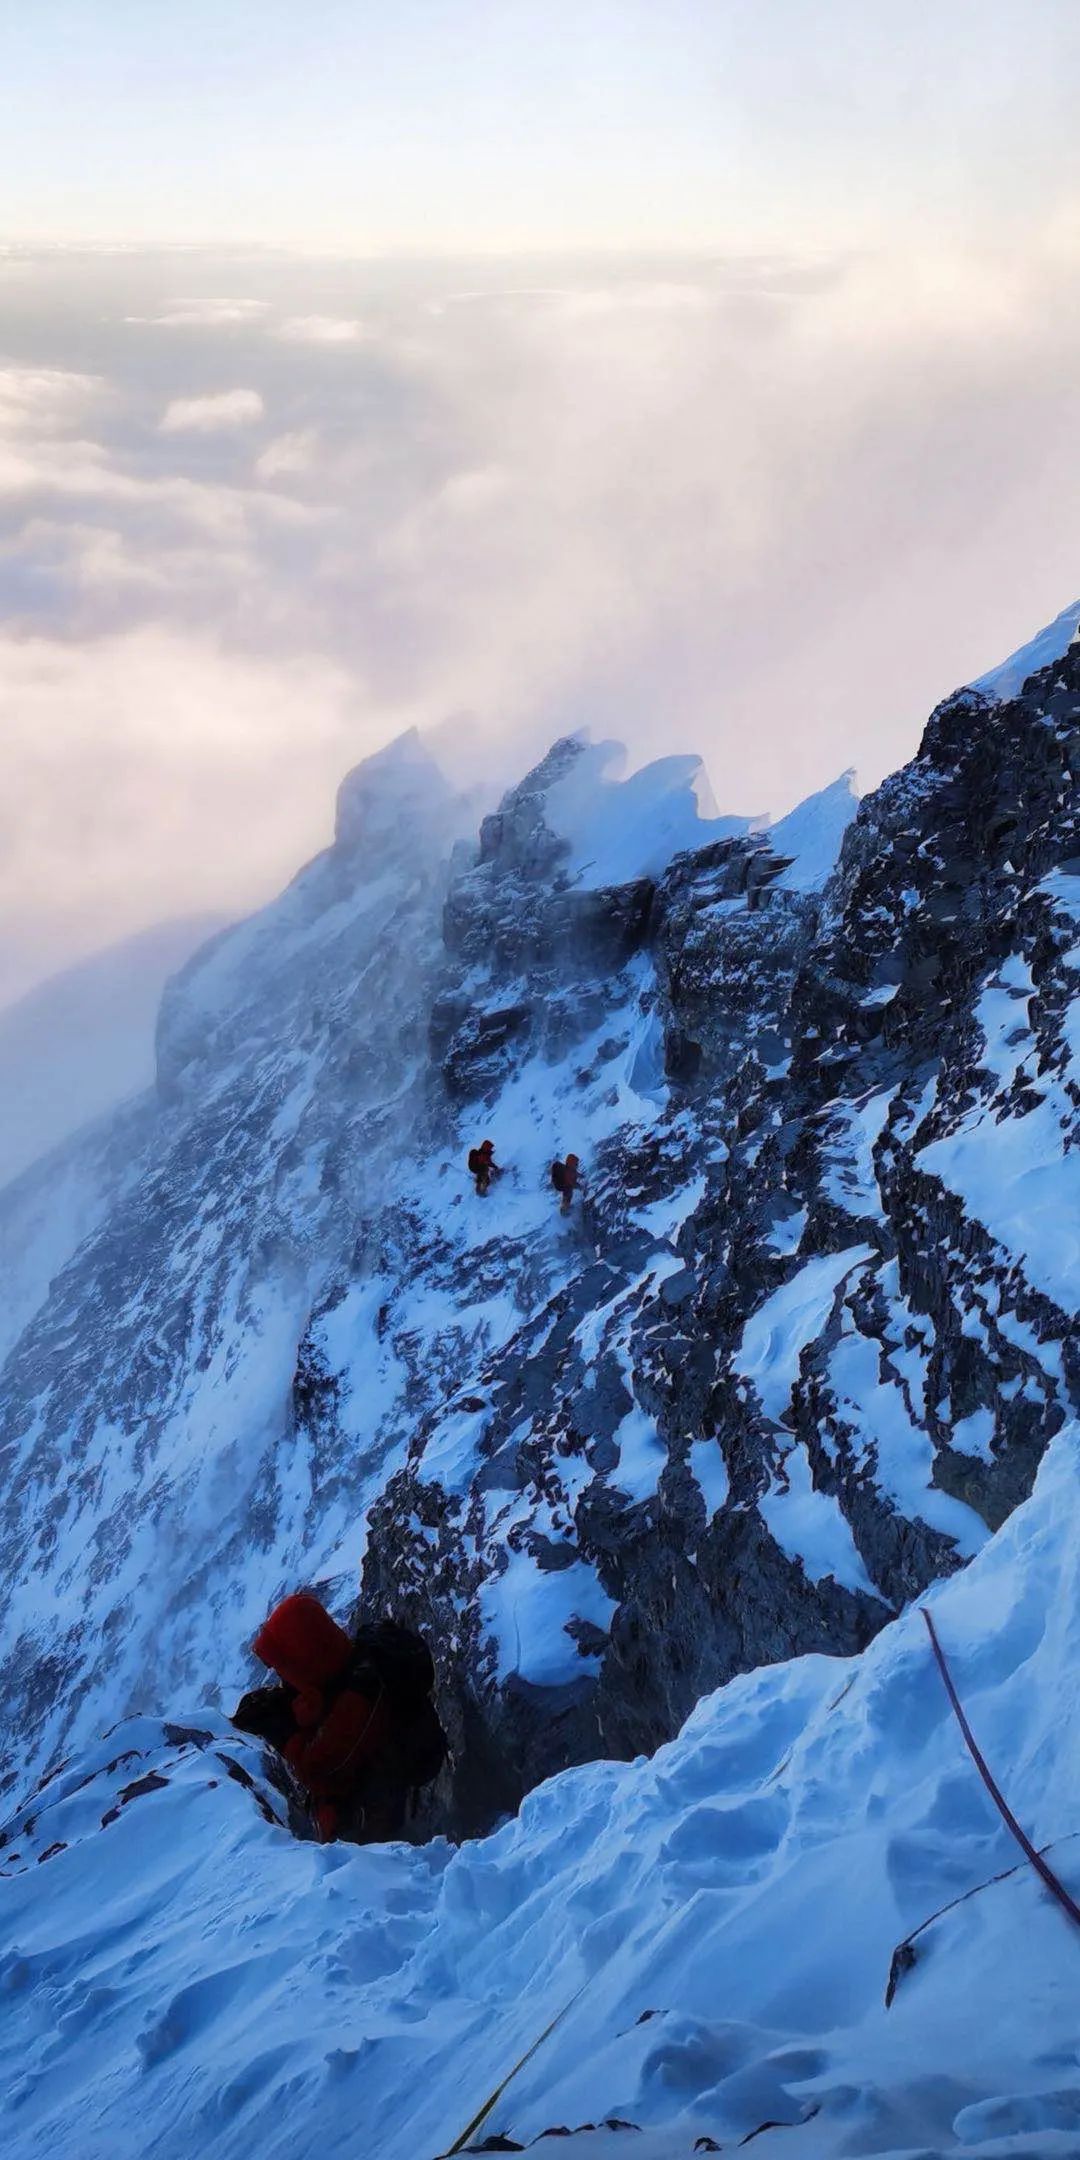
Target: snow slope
1007,679
717,1926
812,835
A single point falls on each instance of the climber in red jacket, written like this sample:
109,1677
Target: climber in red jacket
333,1726
354,1716
483,1166
565,1178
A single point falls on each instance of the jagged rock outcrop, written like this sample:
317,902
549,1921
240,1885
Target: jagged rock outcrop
796,1352
816,1047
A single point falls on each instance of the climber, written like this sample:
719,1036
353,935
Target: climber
566,1179
483,1166
353,1717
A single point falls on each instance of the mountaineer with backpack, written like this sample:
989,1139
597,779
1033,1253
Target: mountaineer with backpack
565,1178
483,1166
353,1716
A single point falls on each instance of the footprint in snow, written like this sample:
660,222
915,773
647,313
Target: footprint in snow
726,1845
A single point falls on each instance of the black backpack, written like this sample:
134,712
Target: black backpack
266,1713
558,1176
405,1670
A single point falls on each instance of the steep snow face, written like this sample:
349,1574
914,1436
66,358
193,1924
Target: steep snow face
155,1489
397,795
773,1373
714,1930
49,1212
813,834
1007,680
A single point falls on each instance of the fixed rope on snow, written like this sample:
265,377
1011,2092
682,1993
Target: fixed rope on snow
493,2099
1053,1882
904,1954
904,1957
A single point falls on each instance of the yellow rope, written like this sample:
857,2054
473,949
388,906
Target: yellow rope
480,2118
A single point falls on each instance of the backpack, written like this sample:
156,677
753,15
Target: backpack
405,1670
558,1176
400,1660
422,1746
476,1161
266,1713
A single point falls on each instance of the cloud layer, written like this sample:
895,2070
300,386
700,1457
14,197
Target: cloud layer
256,516
209,415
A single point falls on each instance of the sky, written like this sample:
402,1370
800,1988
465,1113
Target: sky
706,374
506,124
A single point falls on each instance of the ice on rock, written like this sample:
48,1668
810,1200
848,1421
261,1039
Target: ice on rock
773,1341
811,1526
527,1611
617,830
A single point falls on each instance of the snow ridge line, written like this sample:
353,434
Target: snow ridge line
1052,1881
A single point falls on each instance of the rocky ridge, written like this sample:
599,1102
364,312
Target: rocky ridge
798,1353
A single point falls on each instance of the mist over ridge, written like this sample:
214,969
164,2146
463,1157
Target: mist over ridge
261,513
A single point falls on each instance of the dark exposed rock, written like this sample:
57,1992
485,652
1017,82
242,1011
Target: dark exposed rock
781,1014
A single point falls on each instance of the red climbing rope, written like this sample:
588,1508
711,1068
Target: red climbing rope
1052,1882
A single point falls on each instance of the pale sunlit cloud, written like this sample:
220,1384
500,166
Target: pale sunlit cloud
45,400
220,314
208,415
127,760
288,456
321,330
212,314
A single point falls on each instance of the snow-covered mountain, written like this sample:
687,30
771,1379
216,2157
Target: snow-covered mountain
293,1265
800,1353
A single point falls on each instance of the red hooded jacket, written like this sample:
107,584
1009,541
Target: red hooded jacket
339,1728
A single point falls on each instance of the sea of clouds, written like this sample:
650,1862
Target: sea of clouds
258,514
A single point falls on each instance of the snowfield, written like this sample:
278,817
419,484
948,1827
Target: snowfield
717,1926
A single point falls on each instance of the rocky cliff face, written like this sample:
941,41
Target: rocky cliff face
797,1353
794,1374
